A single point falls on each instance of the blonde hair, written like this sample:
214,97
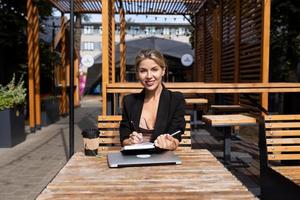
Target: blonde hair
152,54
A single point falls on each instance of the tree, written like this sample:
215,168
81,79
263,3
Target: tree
13,37
285,40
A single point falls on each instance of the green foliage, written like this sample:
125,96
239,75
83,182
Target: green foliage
12,94
285,40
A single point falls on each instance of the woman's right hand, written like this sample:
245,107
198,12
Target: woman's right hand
134,138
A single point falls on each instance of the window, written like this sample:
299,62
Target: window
150,30
88,29
89,46
134,30
166,31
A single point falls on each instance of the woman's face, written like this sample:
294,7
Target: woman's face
150,74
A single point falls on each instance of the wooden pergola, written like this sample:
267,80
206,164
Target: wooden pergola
62,75
231,39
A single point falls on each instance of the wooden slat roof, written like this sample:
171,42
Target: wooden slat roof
187,7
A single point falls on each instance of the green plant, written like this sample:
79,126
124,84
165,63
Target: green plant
12,94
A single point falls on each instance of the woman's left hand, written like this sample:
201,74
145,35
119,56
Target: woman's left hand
166,141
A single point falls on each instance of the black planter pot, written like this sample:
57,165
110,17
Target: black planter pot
12,127
49,110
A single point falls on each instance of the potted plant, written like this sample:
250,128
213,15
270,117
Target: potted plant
12,127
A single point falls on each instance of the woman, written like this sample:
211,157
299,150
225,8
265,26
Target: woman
155,113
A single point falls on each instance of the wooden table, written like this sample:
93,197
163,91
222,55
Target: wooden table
227,121
195,102
201,176
228,109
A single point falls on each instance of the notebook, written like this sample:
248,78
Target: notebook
118,159
141,146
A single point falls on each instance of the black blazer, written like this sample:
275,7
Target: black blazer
170,114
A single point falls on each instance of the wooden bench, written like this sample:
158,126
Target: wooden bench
109,139
279,144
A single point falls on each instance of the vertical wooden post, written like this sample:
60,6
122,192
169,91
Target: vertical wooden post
204,31
122,46
31,96
237,46
76,81
216,44
196,46
36,66
113,56
63,66
105,52
113,52
265,49
220,25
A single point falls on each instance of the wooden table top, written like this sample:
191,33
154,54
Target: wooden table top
196,101
201,176
229,120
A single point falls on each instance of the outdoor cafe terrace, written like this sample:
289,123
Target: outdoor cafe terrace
231,69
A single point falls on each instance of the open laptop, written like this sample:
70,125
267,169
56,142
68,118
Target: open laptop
119,159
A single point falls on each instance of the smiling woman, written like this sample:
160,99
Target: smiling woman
155,112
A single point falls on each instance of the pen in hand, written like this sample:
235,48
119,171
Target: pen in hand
137,134
175,133
156,143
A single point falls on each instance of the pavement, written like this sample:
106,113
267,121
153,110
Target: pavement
27,168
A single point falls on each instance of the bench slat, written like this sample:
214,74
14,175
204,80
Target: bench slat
108,148
109,117
283,125
276,133
283,148
283,141
115,140
108,125
283,156
281,117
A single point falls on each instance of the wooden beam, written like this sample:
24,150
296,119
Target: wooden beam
237,46
63,101
36,66
76,81
30,51
210,88
265,48
113,54
203,62
106,6
216,44
122,46
220,22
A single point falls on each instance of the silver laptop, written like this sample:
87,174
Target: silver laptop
120,160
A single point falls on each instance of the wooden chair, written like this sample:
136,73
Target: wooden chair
279,144
109,139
